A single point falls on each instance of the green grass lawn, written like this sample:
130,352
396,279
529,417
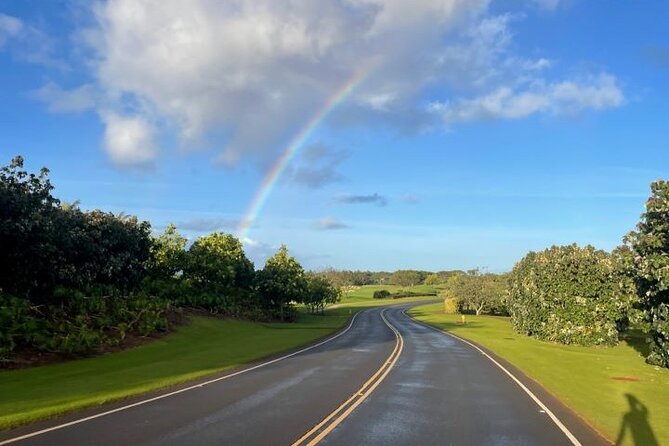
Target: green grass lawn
203,346
365,293
584,378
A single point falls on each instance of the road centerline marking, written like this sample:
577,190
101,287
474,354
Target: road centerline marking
325,426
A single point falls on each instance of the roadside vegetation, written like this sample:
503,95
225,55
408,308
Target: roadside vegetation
76,282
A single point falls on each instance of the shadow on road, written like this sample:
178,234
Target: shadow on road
635,423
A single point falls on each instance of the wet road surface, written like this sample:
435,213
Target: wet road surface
387,380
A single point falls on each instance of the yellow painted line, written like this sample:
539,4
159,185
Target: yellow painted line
348,406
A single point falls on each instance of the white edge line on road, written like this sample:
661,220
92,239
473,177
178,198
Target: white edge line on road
536,399
176,392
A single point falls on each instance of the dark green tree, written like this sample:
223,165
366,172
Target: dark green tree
219,259
650,247
282,281
319,293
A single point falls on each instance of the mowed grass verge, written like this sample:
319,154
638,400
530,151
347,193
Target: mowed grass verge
606,386
203,346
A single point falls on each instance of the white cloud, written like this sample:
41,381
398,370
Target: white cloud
242,77
128,140
59,100
256,70
558,98
9,27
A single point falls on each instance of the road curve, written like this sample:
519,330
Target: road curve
387,380
274,404
444,391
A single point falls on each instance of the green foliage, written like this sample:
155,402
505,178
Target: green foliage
650,247
450,305
45,245
168,253
319,293
281,282
219,259
408,277
569,294
381,294
478,293
432,279
80,324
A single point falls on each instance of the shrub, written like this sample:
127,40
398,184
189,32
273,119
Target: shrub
568,294
381,294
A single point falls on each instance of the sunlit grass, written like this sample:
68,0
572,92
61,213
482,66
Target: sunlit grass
591,380
203,346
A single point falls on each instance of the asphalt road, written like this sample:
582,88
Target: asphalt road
387,380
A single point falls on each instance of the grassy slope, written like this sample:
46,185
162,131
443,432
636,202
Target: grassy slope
204,346
580,376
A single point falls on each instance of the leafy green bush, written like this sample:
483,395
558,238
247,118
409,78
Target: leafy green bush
650,247
568,294
381,294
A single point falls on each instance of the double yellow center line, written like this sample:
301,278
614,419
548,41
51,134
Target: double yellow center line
322,429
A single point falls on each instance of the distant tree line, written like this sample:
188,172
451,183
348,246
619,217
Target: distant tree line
405,278
73,280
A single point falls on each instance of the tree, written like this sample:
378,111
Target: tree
320,292
282,281
218,259
478,292
432,279
650,247
568,294
407,277
168,253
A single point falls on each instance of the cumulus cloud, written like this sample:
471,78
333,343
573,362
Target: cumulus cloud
255,71
329,224
317,167
59,100
129,140
559,98
208,224
243,77
374,198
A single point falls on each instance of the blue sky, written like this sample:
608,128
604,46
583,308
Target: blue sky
487,128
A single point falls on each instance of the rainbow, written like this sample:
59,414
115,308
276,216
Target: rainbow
274,173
